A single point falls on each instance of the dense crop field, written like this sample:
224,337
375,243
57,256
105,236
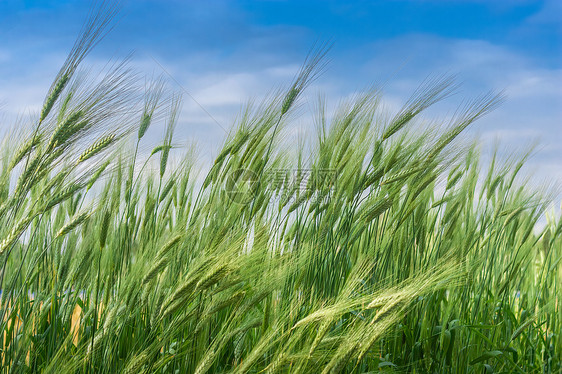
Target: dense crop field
381,244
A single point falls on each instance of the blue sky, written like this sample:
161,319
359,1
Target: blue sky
225,52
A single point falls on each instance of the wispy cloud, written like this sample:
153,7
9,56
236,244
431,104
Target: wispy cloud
224,53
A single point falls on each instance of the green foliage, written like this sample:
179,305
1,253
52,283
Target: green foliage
402,260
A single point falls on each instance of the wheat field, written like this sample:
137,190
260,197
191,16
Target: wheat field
383,244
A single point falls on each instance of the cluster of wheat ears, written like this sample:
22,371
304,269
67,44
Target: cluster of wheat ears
416,259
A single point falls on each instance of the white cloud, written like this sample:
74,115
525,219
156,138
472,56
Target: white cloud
533,108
